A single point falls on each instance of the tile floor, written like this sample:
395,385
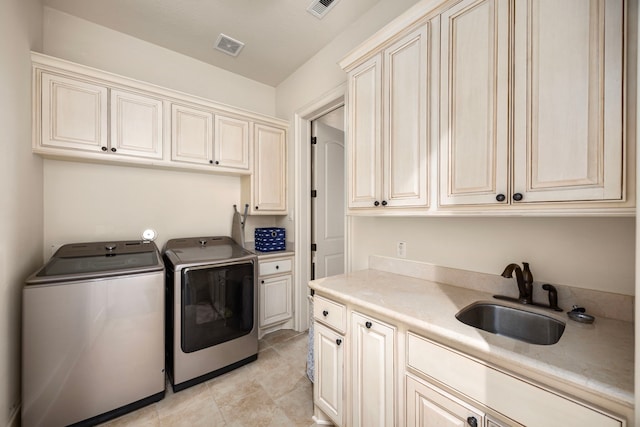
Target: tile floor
273,391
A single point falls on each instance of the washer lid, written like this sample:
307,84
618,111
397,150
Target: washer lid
80,261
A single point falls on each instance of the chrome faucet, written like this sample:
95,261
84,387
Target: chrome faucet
524,280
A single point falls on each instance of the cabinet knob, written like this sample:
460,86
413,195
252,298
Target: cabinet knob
210,162
262,281
256,208
277,267
338,341
376,203
472,421
384,203
113,149
325,313
368,325
104,148
500,197
217,162
517,197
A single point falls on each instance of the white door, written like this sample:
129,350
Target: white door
328,204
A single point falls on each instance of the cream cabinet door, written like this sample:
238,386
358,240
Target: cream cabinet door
269,171
405,111
474,84
231,142
364,150
73,113
136,124
428,406
372,371
568,117
328,384
275,300
191,135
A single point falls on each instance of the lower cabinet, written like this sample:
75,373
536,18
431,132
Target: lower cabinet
506,395
384,378
275,282
372,372
428,406
328,385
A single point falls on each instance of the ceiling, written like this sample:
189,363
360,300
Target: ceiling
279,35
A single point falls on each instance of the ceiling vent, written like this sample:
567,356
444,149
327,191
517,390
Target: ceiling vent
319,8
229,45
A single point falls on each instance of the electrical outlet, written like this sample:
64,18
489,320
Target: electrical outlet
401,250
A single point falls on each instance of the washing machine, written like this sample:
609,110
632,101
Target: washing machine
93,334
211,325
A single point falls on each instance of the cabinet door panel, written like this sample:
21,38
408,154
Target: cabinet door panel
74,113
275,300
269,178
427,407
372,372
191,135
136,124
474,102
405,106
569,100
231,145
328,386
364,111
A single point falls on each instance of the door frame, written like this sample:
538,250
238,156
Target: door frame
302,189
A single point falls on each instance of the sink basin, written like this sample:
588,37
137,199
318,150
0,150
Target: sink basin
522,325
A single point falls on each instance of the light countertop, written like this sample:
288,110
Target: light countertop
598,358
288,251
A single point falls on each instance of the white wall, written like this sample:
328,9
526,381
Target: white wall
91,202
21,178
591,253
81,41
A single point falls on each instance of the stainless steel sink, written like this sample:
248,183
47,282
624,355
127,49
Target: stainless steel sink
522,325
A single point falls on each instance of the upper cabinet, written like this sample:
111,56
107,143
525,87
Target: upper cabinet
74,114
231,145
265,191
565,126
387,133
493,106
199,136
136,124
84,114
474,84
568,100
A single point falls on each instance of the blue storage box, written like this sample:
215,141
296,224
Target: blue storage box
270,239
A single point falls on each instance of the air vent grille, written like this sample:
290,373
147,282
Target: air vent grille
229,45
319,8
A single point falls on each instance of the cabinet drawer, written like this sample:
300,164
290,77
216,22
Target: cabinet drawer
511,396
330,313
275,267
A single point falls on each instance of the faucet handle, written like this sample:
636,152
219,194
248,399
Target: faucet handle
553,296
